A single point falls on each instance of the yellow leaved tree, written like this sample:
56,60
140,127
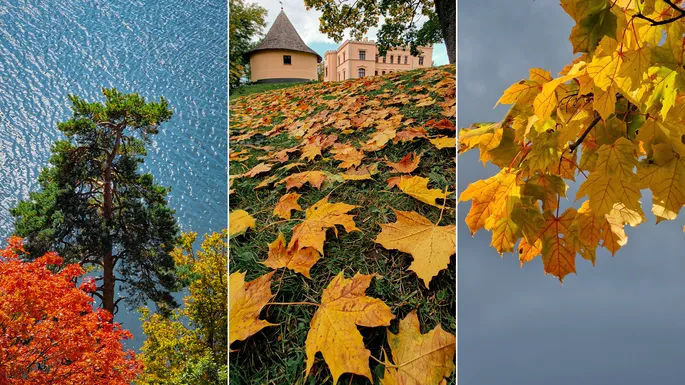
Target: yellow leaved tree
613,118
188,346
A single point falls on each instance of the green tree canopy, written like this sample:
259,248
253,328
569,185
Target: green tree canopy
97,209
400,28
245,22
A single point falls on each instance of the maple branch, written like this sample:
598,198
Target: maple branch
580,140
666,21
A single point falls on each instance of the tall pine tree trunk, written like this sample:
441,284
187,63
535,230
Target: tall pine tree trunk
447,13
107,212
108,260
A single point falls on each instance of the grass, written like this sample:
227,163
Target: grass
276,355
259,88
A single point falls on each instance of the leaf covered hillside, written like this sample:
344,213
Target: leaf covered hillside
342,232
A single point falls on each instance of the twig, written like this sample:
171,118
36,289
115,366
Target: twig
580,140
662,22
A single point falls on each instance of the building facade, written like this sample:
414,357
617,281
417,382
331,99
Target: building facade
356,59
282,56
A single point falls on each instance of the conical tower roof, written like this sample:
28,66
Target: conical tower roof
282,35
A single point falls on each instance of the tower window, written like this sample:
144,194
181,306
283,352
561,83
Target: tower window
405,59
362,72
391,59
420,60
287,60
362,55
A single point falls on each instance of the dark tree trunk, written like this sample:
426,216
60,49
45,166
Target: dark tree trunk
107,212
447,13
108,260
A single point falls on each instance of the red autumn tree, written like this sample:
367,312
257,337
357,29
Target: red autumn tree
49,332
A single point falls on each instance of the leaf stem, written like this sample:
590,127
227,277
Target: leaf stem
293,303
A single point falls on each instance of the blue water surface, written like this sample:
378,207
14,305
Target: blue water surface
172,48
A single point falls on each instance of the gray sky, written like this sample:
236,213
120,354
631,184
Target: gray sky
621,322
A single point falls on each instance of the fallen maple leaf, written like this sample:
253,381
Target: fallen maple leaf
430,245
287,203
315,178
444,142
239,221
296,259
333,329
361,173
246,302
407,164
417,187
319,217
419,359
258,169
349,156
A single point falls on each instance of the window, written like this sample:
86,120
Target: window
399,59
383,72
405,59
343,57
362,55
384,59
376,58
286,60
376,73
338,60
391,58
343,74
338,76
420,60
326,71
362,72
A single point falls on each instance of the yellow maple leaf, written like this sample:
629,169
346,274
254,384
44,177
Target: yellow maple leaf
245,303
287,203
417,187
320,217
296,259
666,179
430,245
333,329
239,221
441,142
419,359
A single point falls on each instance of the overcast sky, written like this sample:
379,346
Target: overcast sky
621,322
307,25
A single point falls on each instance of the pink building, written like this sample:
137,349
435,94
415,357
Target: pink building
356,59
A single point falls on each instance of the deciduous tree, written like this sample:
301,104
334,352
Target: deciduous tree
190,345
400,28
50,333
97,209
245,22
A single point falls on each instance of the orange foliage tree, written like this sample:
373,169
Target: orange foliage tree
49,332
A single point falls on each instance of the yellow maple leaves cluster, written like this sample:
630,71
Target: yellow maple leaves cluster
330,142
614,117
